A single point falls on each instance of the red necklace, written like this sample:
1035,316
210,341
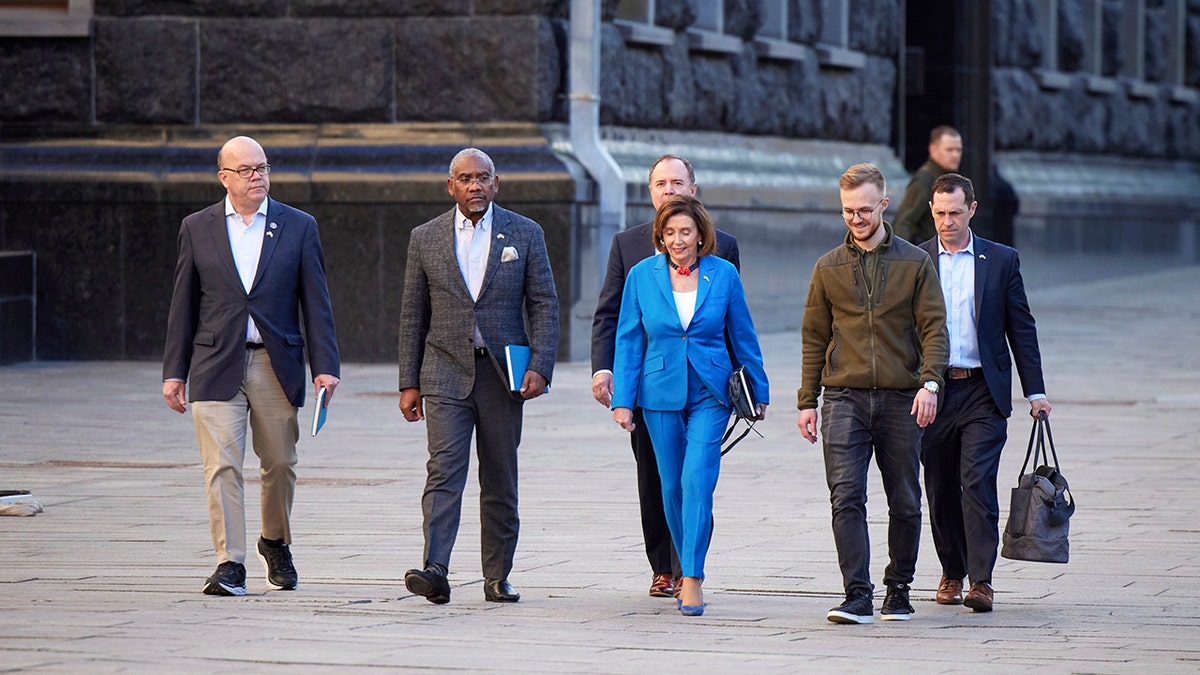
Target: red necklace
683,271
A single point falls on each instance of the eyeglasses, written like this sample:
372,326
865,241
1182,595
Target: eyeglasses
484,180
848,214
248,171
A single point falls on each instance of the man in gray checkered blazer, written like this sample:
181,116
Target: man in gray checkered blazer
476,277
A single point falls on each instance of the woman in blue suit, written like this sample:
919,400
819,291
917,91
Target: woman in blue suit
672,360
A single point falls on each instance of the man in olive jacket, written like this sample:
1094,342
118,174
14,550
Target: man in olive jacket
874,337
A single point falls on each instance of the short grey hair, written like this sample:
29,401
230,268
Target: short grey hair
472,152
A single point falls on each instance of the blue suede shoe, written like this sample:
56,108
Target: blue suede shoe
692,610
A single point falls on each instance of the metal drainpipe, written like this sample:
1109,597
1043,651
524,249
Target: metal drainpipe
584,86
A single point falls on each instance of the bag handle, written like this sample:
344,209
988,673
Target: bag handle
1039,438
1045,419
729,432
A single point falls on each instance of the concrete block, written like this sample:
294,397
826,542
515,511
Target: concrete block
494,75
45,81
743,18
145,71
204,8
379,8
295,71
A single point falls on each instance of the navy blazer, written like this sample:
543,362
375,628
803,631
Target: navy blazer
653,349
629,248
206,327
1002,320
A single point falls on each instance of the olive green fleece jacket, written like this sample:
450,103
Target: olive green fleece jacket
890,334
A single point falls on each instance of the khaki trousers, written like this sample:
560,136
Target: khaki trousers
221,435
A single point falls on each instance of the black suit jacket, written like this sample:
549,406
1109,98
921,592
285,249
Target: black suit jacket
1002,321
629,248
206,328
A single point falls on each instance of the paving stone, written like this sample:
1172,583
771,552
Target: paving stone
108,578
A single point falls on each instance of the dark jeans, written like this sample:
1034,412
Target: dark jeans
961,452
854,424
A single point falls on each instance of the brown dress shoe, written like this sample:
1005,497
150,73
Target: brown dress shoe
663,586
949,592
979,598
678,587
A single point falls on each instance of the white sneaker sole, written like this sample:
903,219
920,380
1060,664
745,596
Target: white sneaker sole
895,617
267,576
845,617
229,590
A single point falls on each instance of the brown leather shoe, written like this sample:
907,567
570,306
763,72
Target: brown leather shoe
678,587
663,586
949,592
979,598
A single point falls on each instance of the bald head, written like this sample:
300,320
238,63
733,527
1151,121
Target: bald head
238,144
244,154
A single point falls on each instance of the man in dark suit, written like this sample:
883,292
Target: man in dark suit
670,175
476,276
986,314
247,267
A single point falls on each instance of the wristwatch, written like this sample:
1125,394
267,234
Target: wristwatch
931,386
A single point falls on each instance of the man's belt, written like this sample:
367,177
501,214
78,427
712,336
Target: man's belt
963,373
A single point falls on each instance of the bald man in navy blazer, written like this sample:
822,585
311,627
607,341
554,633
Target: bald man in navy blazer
248,267
987,313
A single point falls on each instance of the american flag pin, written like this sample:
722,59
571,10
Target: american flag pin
270,234
706,278
499,235
982,256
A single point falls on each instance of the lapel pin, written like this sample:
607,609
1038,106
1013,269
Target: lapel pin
270,234
274,225
706,278
499,235
982,256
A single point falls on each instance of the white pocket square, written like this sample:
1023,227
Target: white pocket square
508,254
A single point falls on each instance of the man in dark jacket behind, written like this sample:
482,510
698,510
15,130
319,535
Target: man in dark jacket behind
913,221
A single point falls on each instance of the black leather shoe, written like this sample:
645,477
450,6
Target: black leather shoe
433,587
499,590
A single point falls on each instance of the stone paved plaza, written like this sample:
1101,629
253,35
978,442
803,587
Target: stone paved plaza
108,578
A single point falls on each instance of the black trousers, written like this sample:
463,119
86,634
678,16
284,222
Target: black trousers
655,532
961,453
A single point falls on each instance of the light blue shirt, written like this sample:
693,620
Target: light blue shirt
473,244
246,242
957,274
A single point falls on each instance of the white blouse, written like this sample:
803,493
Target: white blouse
685,304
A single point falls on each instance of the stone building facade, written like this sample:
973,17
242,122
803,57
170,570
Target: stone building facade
1082,117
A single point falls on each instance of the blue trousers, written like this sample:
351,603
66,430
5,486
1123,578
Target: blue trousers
687,447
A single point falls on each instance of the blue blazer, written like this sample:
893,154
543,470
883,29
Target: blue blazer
1002,320
653,349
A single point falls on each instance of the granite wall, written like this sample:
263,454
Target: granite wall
103,216
106,142
325,61
1074,111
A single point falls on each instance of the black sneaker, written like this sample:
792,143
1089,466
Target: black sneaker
229,579
276,557
857,609
896,606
